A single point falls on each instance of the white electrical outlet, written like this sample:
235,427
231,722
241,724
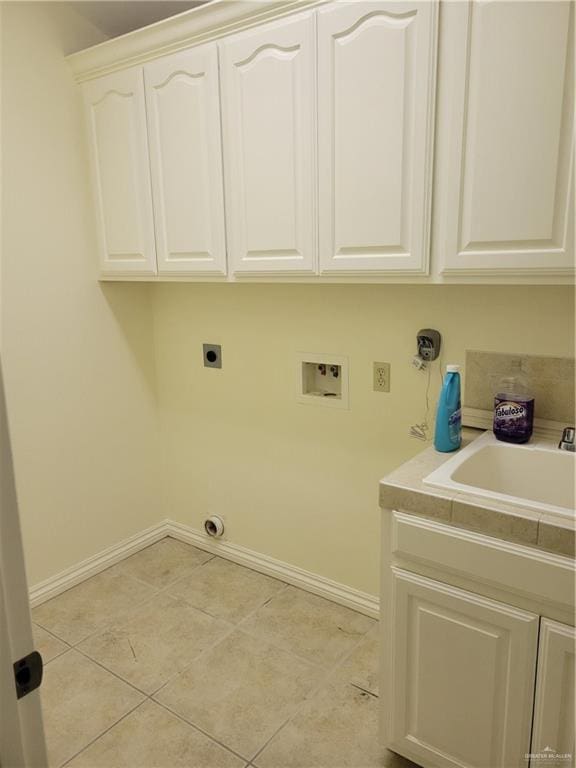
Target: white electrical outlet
381,377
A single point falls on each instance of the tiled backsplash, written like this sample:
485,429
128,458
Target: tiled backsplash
551,381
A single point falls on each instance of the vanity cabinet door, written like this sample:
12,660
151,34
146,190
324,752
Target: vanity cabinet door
463,669
268,101
505,140
376,83
554,705
118,144
182,96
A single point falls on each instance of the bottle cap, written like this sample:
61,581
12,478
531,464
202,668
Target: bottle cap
452,368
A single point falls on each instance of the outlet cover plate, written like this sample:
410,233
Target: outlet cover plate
381,377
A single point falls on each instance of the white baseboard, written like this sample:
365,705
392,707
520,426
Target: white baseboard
298,577
72,576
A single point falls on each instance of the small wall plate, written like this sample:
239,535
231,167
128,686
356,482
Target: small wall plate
329,389
212,355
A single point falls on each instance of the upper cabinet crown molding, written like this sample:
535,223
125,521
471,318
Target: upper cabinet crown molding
376,81
116,117
505,199
178,33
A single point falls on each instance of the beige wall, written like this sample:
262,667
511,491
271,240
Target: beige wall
299,482
78,359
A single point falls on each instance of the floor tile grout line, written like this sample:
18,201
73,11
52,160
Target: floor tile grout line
306,700
129,576
51,632
124,560
166,587
210,647
128,557
296,655
210,556
232,629
101,627
56,656
326,674
358,642
118,624
114,674
268,600
201,730
45,663
113,625
105,731
195,608
281,727
157,592
313,692
260,605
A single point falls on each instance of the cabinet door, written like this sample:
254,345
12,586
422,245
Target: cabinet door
269,146
118,142
554,707
506,171
376,80
182,95
463,676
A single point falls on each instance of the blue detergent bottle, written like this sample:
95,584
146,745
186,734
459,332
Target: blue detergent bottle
448,432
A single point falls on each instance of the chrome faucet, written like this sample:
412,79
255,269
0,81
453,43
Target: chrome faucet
567,442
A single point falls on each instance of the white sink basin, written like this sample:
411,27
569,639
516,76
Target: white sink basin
536,475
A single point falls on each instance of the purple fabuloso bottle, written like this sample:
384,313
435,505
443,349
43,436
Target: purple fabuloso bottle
513,410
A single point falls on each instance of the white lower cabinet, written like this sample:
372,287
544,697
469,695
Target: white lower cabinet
553,732
462,676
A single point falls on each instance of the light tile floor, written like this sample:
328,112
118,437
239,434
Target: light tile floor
178,658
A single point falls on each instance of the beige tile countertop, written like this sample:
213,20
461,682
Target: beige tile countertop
404,490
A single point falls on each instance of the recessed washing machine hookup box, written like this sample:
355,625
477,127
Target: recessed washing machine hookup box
322,379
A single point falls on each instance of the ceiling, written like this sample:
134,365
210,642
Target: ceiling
116,17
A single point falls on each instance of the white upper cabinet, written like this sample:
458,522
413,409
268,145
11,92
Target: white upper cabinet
314,143
268,101
506,170
554,704
376,80
118,143
182,95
